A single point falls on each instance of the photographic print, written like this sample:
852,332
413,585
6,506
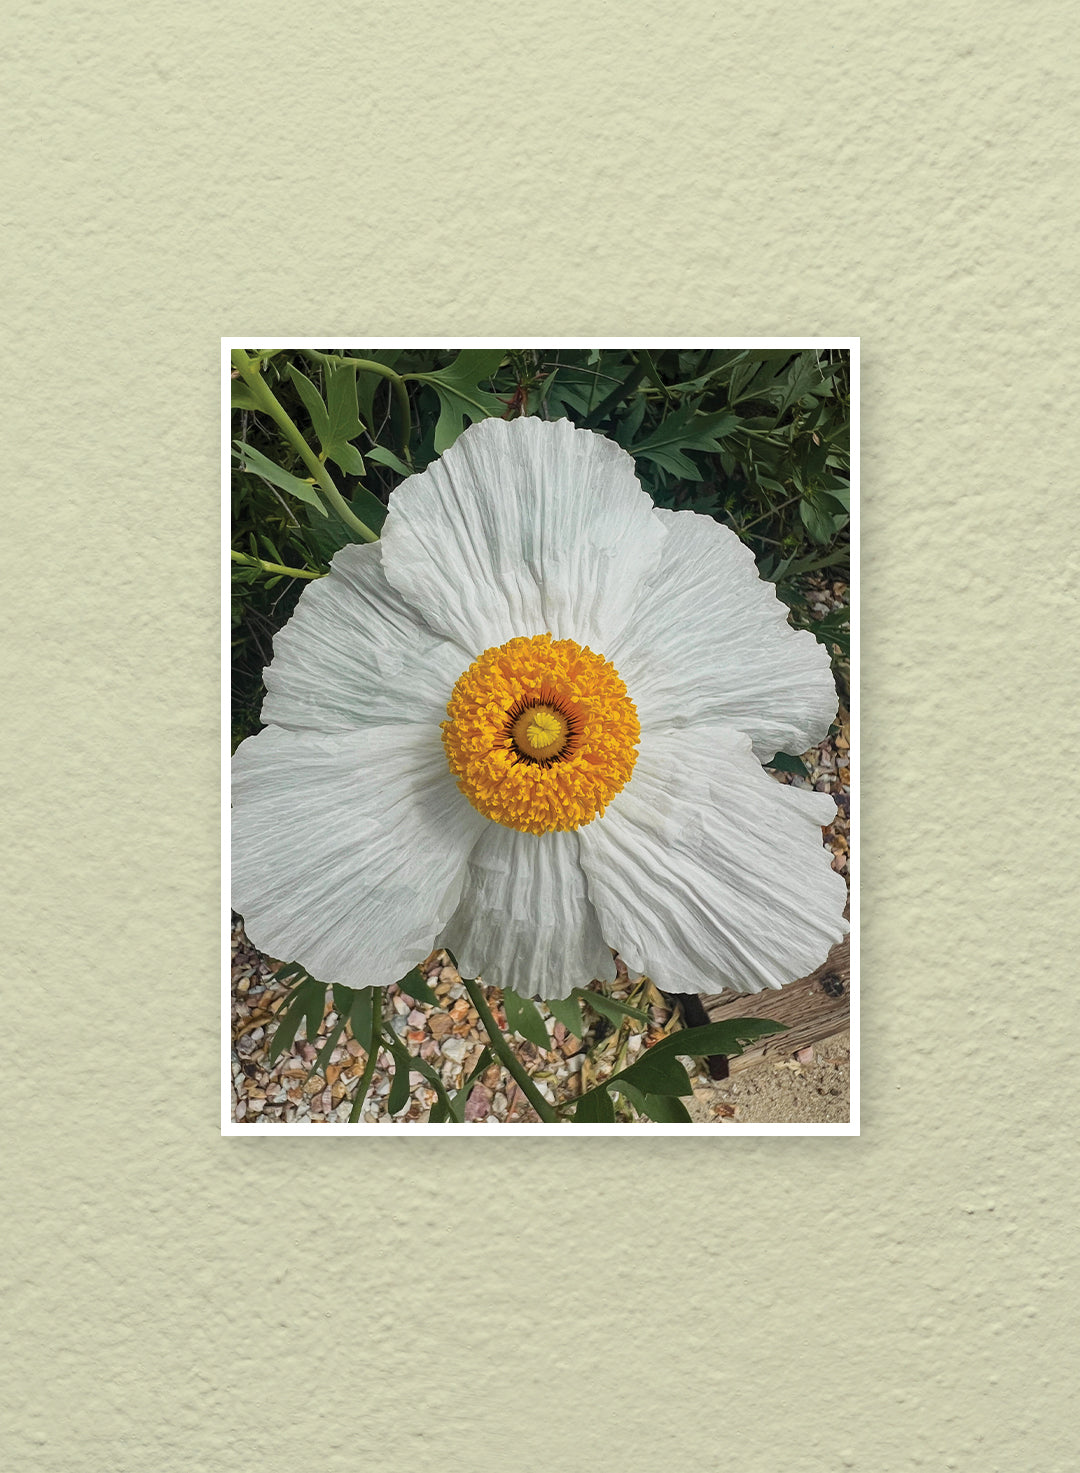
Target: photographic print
542,714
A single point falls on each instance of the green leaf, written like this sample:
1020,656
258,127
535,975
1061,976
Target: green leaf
290,972
285,1032
631,1093
348,458
328,534
812,564
344,421
630,423
685,430
725,1038
522,1017
834,629
257,464
440,1110
666,1109
399,1089
343,998
360,1016
369,383
314,1009
567,388
567,1011
784,762
319,1066
368,508
336,422
610,1007
595,1108
622,390
414,986
804,376
755,376
403,1063
460,1098
460,395
331,534
657,1074
816,520
313,403
381,456
308,1000
242,397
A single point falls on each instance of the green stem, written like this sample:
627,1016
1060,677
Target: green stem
373,1044
772,512
505,1054
257,562
265,399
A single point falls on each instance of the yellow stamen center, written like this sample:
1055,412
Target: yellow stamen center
541,735
540,731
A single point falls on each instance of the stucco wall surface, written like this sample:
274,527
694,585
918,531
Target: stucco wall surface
183,1303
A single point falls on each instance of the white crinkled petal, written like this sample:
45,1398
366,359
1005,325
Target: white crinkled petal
356,654
710,643
525,920
521,528
349,848
707,874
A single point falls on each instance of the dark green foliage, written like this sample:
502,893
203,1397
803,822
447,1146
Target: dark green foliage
757,438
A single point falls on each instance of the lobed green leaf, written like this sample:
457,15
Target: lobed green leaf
460,395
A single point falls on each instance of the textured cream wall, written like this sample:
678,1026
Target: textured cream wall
180,1303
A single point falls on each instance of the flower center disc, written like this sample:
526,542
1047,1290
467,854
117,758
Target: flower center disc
541,734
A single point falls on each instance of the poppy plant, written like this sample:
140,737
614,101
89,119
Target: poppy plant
528,725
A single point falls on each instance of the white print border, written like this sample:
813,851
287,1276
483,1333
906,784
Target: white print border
567,1130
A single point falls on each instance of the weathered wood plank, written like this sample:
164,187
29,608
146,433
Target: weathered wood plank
813,1008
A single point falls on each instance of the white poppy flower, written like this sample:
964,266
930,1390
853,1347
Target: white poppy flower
527,725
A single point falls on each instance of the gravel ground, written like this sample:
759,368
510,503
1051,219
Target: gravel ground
812,1086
